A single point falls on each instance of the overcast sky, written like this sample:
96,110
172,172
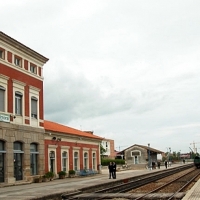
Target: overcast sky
129,70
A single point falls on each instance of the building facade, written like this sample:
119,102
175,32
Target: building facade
30,145
139,156
21,111
67,148
108,145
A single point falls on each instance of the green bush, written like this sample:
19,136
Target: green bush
49,175
62,173
72,171
105,162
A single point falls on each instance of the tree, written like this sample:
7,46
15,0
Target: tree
102,150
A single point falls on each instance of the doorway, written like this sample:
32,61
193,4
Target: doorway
18,154
18,166
52,161
1,167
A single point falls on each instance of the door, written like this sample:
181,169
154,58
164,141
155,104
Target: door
136,160
1,167
18,166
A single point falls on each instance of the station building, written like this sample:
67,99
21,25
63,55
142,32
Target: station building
108,145
29,145
21,111
67,148
139,156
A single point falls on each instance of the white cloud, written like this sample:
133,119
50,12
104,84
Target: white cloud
129,70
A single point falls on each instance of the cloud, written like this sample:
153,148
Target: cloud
129,70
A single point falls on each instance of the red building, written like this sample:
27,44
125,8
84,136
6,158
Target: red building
21,111
68,148
27,150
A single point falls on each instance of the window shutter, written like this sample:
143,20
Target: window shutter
34,107
2,99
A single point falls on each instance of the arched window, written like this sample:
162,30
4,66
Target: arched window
52,161
75,160
64,161
2,159
85,160
18,155
34,158
2,99
93,161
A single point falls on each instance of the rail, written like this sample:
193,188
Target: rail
101,191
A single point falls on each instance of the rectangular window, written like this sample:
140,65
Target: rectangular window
34,107
2,99
18,104
33,69
33,158
2,53
18,61
85,160
64,161
135,153
33,164
93,161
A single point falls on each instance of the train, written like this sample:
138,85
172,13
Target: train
197,161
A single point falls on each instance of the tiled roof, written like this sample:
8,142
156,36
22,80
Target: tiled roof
59,128
145,147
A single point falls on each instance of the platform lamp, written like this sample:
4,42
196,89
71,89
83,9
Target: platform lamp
149,156
51,155
169,153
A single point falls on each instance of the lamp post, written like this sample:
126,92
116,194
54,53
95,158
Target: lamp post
149,156
179,155
169,163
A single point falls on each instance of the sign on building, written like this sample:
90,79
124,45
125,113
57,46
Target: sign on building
4,118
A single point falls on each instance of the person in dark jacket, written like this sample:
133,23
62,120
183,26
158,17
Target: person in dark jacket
158,164
110,168
114,170
165,164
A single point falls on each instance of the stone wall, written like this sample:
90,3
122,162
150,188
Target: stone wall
10,133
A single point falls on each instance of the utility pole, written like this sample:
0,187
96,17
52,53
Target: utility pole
194,147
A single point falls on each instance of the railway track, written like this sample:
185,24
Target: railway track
120,188
172,189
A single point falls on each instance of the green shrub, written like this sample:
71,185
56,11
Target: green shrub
49,175
105,162
62,173
72,172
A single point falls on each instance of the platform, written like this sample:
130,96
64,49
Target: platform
194,192
59,186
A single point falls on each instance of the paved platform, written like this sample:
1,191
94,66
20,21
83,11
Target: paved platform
194,192
59,186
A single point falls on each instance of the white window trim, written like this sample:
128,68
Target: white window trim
35,67
135,151
3,53
34,92
52,148
78,159
21,60
88,157
67,164
19,87
4,83
94,152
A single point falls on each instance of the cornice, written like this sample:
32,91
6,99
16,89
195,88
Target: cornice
22,47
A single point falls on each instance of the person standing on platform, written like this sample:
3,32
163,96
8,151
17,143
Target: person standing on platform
114,170
165,164
158,164
110,168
